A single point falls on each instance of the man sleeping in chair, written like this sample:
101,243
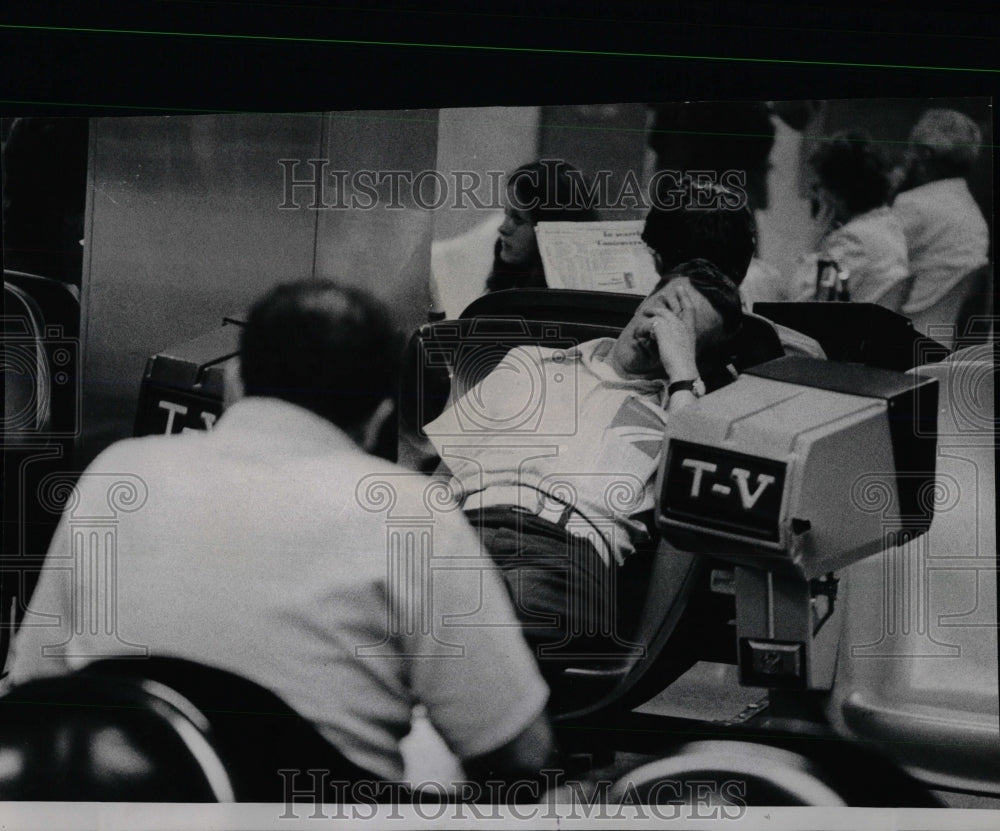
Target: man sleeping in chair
554,456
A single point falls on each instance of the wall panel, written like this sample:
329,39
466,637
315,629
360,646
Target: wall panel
379,236
183,227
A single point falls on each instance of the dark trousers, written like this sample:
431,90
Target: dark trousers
563,592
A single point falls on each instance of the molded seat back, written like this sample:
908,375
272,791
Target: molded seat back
254,731
89,738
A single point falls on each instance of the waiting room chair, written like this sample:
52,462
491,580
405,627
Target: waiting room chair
88,738
253,730
612,310
952,319
160,729
864,333
974,322
894,297
680,619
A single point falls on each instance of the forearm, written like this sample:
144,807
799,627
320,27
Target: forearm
683,367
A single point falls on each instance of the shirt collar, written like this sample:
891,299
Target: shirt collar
594,355
282,425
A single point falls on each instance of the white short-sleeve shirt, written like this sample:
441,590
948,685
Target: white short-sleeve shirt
273,547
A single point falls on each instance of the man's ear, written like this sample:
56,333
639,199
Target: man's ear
232,384
372,428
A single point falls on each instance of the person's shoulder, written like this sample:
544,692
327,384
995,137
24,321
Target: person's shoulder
124,471
906,206
910,196
928,196
137,448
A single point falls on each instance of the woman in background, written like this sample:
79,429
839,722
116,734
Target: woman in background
860,232
542,191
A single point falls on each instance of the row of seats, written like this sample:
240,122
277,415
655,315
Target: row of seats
961,318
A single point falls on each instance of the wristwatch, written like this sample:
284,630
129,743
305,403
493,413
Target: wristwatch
695,386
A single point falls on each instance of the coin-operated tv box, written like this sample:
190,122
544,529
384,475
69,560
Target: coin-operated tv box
797,469
183,387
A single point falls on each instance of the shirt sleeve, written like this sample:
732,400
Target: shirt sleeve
872,269
468,662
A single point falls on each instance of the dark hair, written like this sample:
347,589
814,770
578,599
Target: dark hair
504,275
714,285
722,234
852,169
547,191
329,348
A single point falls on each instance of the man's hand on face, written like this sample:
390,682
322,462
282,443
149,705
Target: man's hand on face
670,322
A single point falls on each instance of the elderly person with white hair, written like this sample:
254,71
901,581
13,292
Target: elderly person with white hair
946,234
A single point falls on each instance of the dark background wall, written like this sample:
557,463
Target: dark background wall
184,226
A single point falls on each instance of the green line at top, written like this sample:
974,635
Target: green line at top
485,48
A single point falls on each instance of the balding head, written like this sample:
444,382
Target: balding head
322,346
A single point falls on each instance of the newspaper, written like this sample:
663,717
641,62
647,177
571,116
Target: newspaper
599,256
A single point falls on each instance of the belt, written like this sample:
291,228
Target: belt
544,506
